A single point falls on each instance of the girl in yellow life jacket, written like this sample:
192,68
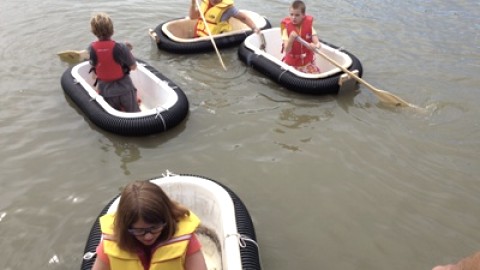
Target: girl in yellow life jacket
216,14
149,232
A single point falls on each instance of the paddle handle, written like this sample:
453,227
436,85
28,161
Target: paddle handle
210,35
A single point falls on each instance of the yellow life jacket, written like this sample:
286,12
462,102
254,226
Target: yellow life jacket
167,256
213,15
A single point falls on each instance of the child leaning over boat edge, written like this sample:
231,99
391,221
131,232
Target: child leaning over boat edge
218,13
298,24
149,231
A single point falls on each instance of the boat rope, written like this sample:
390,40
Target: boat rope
89,255
94,98
158,114
283,72
242,239
168,174
241,242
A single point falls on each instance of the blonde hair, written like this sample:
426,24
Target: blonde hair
102,25
147,201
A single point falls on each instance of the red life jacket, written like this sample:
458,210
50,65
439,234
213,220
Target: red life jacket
299,55
107,69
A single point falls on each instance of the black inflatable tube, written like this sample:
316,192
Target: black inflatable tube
249,254
165,43
140,126
324,86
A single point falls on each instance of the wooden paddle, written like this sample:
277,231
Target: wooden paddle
73,56
210,35
382,95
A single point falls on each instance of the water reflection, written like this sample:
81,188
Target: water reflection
126,150
386,185
290,119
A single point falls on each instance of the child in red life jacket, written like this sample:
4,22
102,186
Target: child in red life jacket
298,24
112,63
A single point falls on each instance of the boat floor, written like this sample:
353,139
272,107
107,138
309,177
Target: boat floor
210,248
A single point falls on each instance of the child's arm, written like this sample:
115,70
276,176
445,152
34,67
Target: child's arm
288,40
194,13
247,20
315,41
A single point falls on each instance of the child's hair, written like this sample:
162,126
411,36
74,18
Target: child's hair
147,201
299,4
102,26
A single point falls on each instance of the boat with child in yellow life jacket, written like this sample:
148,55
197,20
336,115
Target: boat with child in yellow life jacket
179,35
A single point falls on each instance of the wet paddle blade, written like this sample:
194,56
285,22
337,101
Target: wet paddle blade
389,98
382,95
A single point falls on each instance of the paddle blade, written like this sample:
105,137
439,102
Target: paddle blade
73,56
389,98
153,35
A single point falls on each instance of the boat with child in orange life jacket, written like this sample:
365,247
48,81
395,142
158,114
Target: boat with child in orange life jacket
226,231
264,53
163,104
177,35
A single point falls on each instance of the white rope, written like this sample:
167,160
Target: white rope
339,50
281,74
242,239
89,255
168,174
94,98
158,114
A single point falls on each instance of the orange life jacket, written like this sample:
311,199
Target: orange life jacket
299,55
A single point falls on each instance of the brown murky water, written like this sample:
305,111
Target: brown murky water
335,182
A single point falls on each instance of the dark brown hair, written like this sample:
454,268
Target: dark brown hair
147,201
102,26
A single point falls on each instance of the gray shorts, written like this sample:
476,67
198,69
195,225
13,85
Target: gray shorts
120,94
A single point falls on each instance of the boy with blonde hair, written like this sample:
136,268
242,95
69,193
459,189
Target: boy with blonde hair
112,62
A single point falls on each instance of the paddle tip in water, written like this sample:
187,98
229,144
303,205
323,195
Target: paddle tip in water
153,35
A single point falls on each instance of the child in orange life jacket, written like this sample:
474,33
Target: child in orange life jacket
112,62
298,24
149,231
216,14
